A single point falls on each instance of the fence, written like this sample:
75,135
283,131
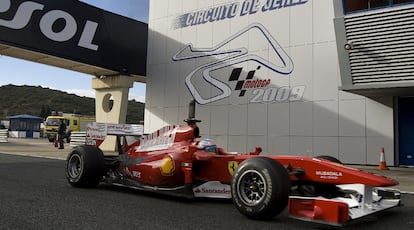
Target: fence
4,135
77,138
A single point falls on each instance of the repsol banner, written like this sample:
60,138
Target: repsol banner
76,31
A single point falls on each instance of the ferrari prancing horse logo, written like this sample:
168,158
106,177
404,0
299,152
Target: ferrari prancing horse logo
231,166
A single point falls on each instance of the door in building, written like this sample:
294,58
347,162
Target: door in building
29,128
406,130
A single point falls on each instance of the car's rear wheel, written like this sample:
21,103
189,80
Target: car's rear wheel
85,166
260,188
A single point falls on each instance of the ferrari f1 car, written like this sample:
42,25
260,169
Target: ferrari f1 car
318,189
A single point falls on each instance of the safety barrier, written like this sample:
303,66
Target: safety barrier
4,135
77,138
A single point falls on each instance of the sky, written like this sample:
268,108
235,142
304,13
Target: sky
21,72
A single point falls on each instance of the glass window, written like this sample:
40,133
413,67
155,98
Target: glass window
354,5
36,126
351,6
401,1
23,126
14,125
378,3
52,121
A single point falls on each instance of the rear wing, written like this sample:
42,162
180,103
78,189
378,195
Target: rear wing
96,132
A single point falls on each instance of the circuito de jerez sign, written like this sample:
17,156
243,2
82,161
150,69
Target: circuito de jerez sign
76,31
232,10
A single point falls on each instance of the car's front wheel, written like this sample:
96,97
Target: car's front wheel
85,166
260,188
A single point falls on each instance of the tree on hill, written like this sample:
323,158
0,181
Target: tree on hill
39,101
45,111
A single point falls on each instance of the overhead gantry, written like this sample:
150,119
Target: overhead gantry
79,37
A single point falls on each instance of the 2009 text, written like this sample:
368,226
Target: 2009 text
282,94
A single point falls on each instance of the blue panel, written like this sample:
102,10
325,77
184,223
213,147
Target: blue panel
29,134
406,130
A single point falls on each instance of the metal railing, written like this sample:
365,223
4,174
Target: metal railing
4,135
77,138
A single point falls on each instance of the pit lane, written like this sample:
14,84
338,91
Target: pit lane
34,194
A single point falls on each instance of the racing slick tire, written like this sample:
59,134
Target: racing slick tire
329,158
260,188
85,166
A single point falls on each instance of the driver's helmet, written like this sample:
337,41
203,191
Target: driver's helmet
208,145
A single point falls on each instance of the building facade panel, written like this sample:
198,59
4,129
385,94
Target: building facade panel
303,74
325,72
278,145
238,119
325,119
263,74
352,119
304,36
172,86
278,117
257,117
322,21
301,118
353,150
219,118
301,146
326,146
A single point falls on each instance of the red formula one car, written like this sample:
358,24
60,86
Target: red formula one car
172,161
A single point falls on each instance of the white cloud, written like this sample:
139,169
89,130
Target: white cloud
82,92
136,97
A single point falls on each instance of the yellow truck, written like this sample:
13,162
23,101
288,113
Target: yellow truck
74,122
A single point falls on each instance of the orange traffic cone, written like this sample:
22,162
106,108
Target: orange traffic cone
382,164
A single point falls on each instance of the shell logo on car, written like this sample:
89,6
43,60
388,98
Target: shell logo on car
167,166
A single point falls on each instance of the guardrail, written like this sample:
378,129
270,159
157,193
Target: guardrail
77,138
4,135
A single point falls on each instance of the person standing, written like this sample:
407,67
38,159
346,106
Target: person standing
61,133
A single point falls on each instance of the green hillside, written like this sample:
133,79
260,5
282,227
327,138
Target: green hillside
39,101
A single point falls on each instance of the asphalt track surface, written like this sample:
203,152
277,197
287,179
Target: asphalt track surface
34,194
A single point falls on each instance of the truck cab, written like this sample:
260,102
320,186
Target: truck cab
74,123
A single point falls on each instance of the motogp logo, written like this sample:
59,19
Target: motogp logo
262,92
223,55
26,10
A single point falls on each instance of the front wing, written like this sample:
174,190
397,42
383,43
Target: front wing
360,201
